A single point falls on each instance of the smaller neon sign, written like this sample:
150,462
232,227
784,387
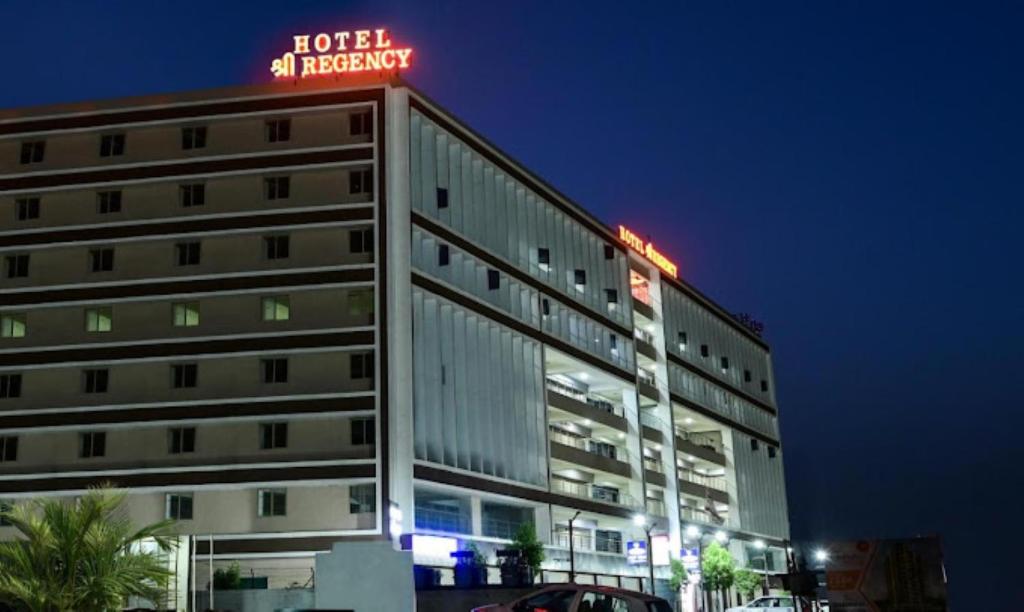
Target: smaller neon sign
647,249
353,51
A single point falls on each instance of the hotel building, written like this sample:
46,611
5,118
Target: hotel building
298,314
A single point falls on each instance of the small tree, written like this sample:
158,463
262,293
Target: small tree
529,547
229,578
719,568
747,583
679,575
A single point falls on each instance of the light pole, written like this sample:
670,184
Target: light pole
693,533
761,546
572,550
641,521
821,556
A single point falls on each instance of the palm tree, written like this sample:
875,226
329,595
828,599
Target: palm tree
79,556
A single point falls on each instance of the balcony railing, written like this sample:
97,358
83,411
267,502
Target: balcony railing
580,396
601,449
704,440
656,507
712,482
688,513
646,377
642,335
655,465
440,520
580,541
499,528
586,491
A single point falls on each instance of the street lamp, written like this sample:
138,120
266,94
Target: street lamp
821,556
641,521
761,546
693,533
721,537
572,555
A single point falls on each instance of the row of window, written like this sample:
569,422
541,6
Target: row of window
193,137
186,375
193,194
182,440
189,253
705,352
272,502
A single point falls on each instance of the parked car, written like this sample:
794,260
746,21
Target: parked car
581,598
782,603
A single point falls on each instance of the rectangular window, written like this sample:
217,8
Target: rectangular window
360,241
493,279
184,375
187,253
101,260
704,352
10,386
92,444
764,385
613,343
442,197
360,365
443,256
579,279
99,319
608,541
360,181
772,452
111,145
273,435
276,308
193,194
360,302
8,449
181,440
753,444
609,251
278,130
277,187
544,259
682,341
12,325
96,381
362,499
612,295
179,506
275,247
185,314
272,502
33,152
17,266
108,202
193,137
746,376
360,123
724,363
26,209
364,431
545,306
275,370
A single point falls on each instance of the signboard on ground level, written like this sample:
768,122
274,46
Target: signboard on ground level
691,559
636,552
660,550
886,575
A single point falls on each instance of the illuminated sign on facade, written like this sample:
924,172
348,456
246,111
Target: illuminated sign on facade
340,53
647,250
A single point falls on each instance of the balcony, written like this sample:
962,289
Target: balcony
646,348
592,492
575,402
647,385
698,515
641,307
655,478
656,507
587,453
702,485
701,446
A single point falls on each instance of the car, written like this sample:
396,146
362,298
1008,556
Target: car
782,603
581,598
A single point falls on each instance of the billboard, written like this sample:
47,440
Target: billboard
886,576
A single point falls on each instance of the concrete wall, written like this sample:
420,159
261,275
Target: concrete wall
344,574
260,600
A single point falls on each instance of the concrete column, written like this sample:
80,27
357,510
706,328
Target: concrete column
476,514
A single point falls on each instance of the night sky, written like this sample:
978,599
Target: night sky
850,173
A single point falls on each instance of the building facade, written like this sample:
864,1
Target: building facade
295,315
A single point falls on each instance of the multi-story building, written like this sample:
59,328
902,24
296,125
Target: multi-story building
283,314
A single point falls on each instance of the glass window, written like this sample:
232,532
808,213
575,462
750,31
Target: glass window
108,202
362,499
179,506
111,145
181,440
193,137
275,370
192,195
361,181
276,308
10,386
92,444
99,319
273,435
363,431
185,314
32,152
360,302
278,130
17,266
13,325
277,187
271,502
604,602
8,448
26,208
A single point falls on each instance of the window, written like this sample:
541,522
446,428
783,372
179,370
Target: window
725,363
108,202
10,386
26,208
360,365
92,444
101,260
579,279
442,197
277,187
13,325
184,375
275,370
187,253
682,341
362,499
764,385
17,266
99,319
185,314
443,256
111,145
193,137
276,308
364,431
360,181
278,130
604,602
8,448
609,251
360,241
704,350
753,444
181,440
493,279
612,295
179,506
604,493
746,375
360,302
275,247
271,502
33,152
96,381
193,194
607,541
544,259
545,306
273,435
360,123
772,451
613,344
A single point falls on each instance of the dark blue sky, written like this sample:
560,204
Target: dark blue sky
852,173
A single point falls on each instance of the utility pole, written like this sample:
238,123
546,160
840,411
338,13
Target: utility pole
572,550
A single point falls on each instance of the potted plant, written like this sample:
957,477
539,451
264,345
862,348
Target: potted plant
522,559
470,567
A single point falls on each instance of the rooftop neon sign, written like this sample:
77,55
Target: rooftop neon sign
647,250
353,51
